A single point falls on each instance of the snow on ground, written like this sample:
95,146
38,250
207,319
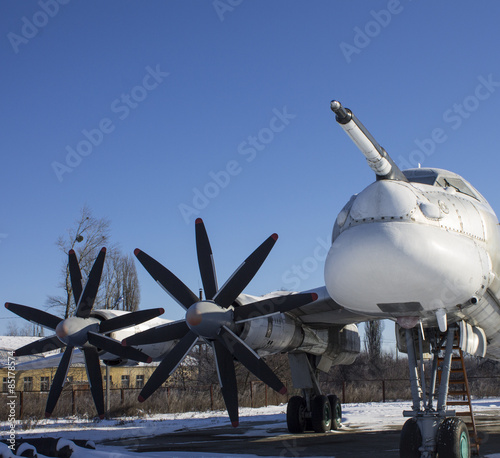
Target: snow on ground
373,416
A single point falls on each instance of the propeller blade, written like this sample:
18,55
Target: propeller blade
75,275
278,304
40,346
227,380
168,365
164,333
167,280
205,260
116,348
95,378
58,381
34,315
250,359
89,294
130,319
244,274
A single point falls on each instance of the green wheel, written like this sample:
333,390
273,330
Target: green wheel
453,439
336,407
321,414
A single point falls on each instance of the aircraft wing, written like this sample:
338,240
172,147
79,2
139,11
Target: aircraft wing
320,314
52,360
29,362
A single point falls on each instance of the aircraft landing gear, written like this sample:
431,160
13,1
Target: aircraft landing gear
296,415
431,430
313,410
325,414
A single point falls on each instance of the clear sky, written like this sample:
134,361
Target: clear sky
154,113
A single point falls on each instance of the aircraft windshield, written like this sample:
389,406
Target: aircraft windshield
432,178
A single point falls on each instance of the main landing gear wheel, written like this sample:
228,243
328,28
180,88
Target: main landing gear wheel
296,415
321,414
336,408
453,439
410,440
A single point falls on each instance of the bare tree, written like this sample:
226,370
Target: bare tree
86,237
119,287
28,329
373,336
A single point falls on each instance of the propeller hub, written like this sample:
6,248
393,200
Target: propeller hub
206,318
73,331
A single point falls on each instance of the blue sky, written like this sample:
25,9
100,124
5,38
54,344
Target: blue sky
167,101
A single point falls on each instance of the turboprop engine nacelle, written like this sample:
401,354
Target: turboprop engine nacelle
280,333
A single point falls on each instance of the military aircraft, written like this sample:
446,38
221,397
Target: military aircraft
420,247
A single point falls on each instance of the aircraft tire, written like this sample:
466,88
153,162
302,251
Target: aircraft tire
336,407
321,414
295,415
410,440
453,439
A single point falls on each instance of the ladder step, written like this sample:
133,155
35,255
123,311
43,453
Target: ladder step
457,393
463,414
458,403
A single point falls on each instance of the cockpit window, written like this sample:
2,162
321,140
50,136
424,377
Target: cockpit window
424,179
457,184
444,180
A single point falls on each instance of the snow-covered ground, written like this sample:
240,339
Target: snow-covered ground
364,417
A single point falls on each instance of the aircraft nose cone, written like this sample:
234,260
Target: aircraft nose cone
402,269
385,199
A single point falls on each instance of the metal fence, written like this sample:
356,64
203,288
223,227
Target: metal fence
77,400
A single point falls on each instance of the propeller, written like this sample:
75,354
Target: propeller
82,331
214,320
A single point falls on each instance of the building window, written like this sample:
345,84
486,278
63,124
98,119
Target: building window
28,384
5,385
125,381
44,383
139,381
110,381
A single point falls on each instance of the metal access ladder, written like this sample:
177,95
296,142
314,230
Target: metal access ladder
459,393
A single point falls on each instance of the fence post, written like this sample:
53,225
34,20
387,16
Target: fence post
21,404
383,390
343,392
251,395
211,397
265,390
73,407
